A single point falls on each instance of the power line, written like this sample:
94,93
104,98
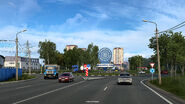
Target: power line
174,27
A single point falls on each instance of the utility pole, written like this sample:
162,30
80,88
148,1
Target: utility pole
16,58
158,56
29,56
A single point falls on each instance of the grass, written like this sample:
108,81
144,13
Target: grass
175,85
23,77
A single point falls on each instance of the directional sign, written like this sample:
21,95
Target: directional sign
152,70
152,64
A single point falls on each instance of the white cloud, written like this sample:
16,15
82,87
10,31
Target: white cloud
134,42
131,41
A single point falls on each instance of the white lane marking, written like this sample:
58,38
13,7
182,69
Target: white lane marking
105,88
169,102
23,87
47,93
92,101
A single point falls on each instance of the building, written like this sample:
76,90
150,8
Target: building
2,58
126,65
118,57
69,47
23,63
83,49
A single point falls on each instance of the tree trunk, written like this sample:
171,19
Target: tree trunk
182,70
175,70
167,66
171,71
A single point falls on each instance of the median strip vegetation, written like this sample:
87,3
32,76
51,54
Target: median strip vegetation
175,85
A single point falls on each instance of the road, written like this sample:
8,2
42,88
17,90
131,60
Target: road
102,91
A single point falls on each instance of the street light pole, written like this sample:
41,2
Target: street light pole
16,58
158,56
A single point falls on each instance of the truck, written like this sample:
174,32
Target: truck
51,71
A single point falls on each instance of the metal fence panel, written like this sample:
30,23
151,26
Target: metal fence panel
7,73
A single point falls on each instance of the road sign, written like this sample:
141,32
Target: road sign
152,64
152,70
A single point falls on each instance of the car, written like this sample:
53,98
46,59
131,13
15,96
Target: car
66,77
124,78
164,72
141,72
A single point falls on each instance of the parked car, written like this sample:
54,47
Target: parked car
164,72
66,77
125,78
141,72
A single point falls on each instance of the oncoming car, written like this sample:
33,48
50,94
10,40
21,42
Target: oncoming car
125,78
66,77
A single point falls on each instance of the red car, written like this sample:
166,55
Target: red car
164,72
66,77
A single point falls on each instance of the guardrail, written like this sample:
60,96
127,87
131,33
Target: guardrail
7,73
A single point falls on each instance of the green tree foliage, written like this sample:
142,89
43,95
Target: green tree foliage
77,56
135,61
47,51
171,50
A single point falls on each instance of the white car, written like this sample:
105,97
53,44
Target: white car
141,72
124,78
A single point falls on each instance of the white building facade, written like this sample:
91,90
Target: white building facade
23,63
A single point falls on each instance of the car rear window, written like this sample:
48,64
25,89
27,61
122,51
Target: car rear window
124,75
65,75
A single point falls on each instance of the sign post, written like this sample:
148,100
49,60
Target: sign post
86,70
152,70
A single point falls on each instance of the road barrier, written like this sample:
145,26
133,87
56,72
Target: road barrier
7,73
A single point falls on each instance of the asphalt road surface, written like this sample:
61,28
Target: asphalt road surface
102,91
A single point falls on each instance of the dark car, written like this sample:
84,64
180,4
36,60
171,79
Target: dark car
164,72
66,77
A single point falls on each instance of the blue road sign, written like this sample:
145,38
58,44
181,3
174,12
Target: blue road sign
152,70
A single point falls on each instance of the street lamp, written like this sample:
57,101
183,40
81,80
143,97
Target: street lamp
158,57
16,59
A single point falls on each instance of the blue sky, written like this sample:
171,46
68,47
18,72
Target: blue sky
106,23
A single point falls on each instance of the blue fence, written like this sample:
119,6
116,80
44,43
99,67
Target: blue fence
7,73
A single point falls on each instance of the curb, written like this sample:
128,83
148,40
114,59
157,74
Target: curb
168,94
2,83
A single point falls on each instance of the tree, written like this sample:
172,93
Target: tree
77,56
47,51
171,50
135,61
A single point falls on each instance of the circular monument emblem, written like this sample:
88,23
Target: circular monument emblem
105,55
